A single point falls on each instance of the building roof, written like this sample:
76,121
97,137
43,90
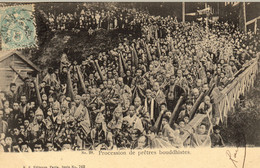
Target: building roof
6,54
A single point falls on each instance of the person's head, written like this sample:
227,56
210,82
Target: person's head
189,105
39,115
6,104
181,123
77,99
120,81
93,93
32,104
16,131
15,106
207,100
179,73
202,129
196,92
55,108
168,113
128,73
118,112
135,134
222,74
109,74
199,82
44,104
142,142
19,120
219,71
205,87
64,106
22,129
23,99
163,107
20,139
26,122
8,140
148,93
38,146
131,110
66,146
84,97
44,97
208,74
109,84
186,119
72,104
12,87
222,61
156,86
172,79
91,76
24,147
139,72
165,119
51,100
27,81
137,101
75,90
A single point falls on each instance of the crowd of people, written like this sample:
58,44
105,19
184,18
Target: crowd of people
139,95
91,19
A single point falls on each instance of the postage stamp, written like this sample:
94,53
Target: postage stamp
17,26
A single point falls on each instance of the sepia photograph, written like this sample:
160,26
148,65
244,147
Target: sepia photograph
111,77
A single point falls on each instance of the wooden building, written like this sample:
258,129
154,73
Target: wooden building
12,62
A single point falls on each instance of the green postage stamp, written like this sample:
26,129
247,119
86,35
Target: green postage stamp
17,25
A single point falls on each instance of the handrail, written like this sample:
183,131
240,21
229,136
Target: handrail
228,96
229,87
252,21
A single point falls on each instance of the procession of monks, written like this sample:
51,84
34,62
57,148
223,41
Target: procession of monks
145,93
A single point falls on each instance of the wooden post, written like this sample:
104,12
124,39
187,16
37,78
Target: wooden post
244,14
207,20
183,12
36,83
255,26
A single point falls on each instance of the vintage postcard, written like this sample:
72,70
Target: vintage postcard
129,84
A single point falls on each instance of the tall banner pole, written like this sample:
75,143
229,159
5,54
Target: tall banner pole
244,13
207,20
